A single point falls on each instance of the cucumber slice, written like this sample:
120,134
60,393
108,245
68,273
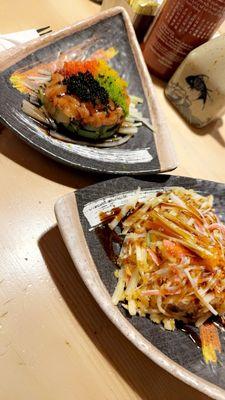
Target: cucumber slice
104,132
41,95
58,115
61,118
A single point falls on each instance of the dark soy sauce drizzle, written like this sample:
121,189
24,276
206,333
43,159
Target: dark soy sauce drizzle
188,330
219,322
109,239
106,218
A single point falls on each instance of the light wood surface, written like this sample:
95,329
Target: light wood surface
55,342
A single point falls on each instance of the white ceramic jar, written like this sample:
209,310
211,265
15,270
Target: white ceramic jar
197,88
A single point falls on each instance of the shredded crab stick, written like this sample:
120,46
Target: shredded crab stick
171,265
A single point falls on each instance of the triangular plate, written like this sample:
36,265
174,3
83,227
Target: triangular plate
173,351
145,152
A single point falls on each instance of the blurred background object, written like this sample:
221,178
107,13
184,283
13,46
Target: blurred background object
141,12
180,26
197,89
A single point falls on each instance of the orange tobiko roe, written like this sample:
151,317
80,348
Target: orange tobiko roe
73,67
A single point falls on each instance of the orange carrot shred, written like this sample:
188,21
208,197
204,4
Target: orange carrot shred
210,342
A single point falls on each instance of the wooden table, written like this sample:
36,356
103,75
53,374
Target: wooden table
55,342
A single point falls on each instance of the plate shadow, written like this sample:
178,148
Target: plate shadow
149,381
21,153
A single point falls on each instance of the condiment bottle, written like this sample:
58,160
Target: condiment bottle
144,13
197,89
115,3
180,26
141,12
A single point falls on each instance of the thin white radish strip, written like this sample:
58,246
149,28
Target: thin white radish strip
133,282
44,72
159,304
198,294
34,88
129,131
38,79
34,112
118,292
132,307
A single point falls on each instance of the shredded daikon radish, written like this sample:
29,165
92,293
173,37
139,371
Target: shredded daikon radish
118,293
169,269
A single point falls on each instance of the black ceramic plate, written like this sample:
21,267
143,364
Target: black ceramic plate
174,351
145,152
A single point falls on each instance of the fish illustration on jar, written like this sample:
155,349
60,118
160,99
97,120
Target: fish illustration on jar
197,82
201,82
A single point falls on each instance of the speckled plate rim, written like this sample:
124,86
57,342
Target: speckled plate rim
67,215
164,146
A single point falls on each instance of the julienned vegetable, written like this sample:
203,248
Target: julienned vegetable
171,265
